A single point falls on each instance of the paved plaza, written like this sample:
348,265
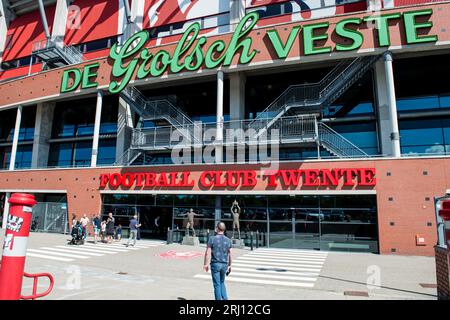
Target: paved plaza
154,270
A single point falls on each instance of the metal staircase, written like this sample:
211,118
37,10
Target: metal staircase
54,55
160,109
336,144
304,130
312,98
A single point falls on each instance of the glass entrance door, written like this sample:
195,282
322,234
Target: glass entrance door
306,228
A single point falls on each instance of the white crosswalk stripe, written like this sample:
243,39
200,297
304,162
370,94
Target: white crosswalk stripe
278,267
68,253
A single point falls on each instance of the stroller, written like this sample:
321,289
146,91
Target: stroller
77,235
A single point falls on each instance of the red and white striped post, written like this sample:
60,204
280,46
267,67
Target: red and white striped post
15,245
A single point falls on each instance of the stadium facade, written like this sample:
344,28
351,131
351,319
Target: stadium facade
328,121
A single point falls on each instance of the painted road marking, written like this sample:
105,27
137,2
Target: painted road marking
34,255
68,253
284,267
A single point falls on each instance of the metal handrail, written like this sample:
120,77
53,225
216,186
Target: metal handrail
337,143
317,93
71,54
293,129
159,109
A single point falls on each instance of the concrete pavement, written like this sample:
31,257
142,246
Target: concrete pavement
154,270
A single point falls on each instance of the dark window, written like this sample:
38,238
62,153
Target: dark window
72,119
106,151
68,154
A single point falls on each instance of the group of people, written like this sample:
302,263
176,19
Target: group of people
104,230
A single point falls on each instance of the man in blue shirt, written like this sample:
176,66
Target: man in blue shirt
219,248
134,225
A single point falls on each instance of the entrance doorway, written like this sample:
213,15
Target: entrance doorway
313,222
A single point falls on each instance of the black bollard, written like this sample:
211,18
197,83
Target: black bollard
257,239
169,236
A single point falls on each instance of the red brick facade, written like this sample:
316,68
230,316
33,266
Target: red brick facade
405,189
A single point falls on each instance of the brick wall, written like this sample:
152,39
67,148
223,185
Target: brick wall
443,273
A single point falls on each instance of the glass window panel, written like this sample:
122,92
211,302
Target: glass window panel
60,154
106,151
23,157
164,200
83,153
186,200
444,101
420,132
418,103
418,150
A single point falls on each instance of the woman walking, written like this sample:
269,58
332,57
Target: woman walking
110,228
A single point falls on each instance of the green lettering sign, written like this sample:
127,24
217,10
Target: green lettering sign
281,49
134,59
411,26
88,75
309,38
382,24
356,36
67,76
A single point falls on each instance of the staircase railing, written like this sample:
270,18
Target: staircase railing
338,144
70,54
315,94
159,109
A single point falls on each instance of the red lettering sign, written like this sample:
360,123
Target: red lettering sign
235,179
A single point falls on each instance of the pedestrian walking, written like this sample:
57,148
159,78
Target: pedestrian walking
84,223
134,225
103,230
97,223
110,228
218,257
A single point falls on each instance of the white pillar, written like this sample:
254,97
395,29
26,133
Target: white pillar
42,133
219,117
237,12
98,117
395,136
15,138
386,110
6,210
237,96
59,22
124,123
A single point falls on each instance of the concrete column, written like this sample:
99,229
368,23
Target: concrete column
134,24
6,210
387,107
124,123
15,138
98,118
42,133
219,117
237,96
237,12
60,22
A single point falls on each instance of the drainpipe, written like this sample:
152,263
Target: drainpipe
127,10
44,19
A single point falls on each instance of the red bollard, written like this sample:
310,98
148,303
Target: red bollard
15,245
